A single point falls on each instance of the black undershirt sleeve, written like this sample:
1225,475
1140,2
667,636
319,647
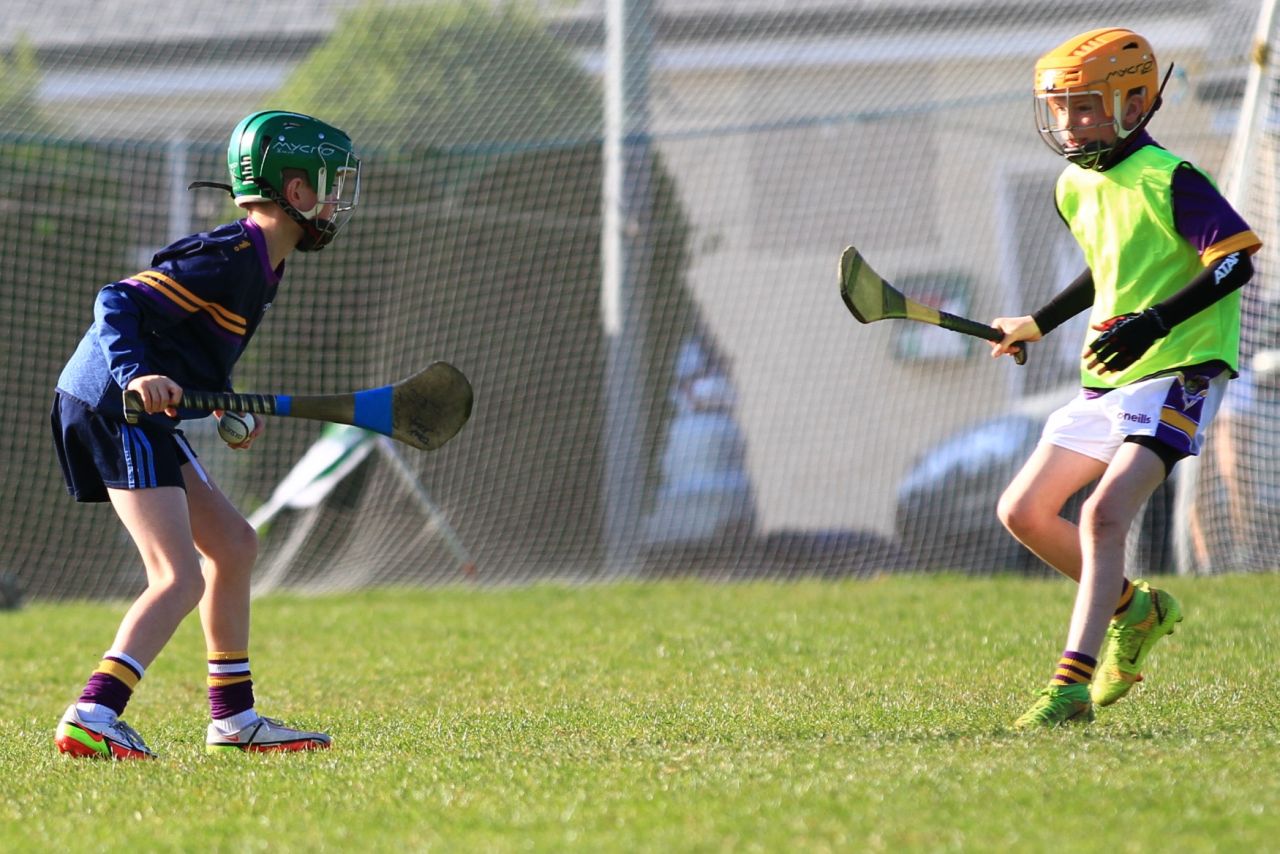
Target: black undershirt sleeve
1073,299
1229,273
1222,277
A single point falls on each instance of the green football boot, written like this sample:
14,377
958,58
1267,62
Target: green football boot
1152,614
1058,704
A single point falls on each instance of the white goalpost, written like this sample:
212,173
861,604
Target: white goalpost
1212,527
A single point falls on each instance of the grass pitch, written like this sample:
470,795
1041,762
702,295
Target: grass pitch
674,716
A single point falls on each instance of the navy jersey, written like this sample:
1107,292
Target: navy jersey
188,316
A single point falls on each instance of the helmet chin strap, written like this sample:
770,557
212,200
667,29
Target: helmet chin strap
1089,155
315,238
316,233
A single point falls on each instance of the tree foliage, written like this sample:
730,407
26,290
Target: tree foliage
440,76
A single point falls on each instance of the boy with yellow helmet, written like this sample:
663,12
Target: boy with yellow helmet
1166,257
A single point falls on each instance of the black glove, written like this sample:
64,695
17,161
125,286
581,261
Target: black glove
1124,339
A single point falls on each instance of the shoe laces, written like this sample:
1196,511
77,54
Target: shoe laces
277,724
129,735
1044,706
1126,640
1056,695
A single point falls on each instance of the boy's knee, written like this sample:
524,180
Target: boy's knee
237,546
1101,518
1015,512
243,544
188,588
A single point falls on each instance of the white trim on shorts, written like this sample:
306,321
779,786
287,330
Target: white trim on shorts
191,458
1097,426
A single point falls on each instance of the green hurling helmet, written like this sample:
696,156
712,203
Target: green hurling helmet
265,145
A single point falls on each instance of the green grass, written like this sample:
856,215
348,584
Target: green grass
867,715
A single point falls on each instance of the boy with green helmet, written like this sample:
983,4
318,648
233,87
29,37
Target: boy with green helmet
184,322
1167,256
268,147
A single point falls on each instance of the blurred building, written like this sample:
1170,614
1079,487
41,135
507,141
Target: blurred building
791,129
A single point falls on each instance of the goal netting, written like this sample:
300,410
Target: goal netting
645,302
1230,501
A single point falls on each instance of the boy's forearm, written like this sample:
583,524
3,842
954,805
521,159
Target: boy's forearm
1070,301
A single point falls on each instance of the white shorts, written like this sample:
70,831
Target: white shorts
1175,409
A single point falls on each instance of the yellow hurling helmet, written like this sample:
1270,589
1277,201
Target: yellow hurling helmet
1111,63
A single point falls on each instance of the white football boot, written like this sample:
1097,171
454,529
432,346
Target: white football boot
263,736
113,739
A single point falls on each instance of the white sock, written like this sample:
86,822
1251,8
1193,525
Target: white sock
236,722
96,713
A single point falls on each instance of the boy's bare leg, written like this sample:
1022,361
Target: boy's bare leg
1133,475
157,520
230,547
1030,505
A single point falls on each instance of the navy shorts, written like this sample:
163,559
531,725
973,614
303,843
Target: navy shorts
98,452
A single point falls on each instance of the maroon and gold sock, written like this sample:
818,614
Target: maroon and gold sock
112,682
1074,668
230,684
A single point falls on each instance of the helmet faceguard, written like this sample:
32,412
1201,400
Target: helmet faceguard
269,147
1083,86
